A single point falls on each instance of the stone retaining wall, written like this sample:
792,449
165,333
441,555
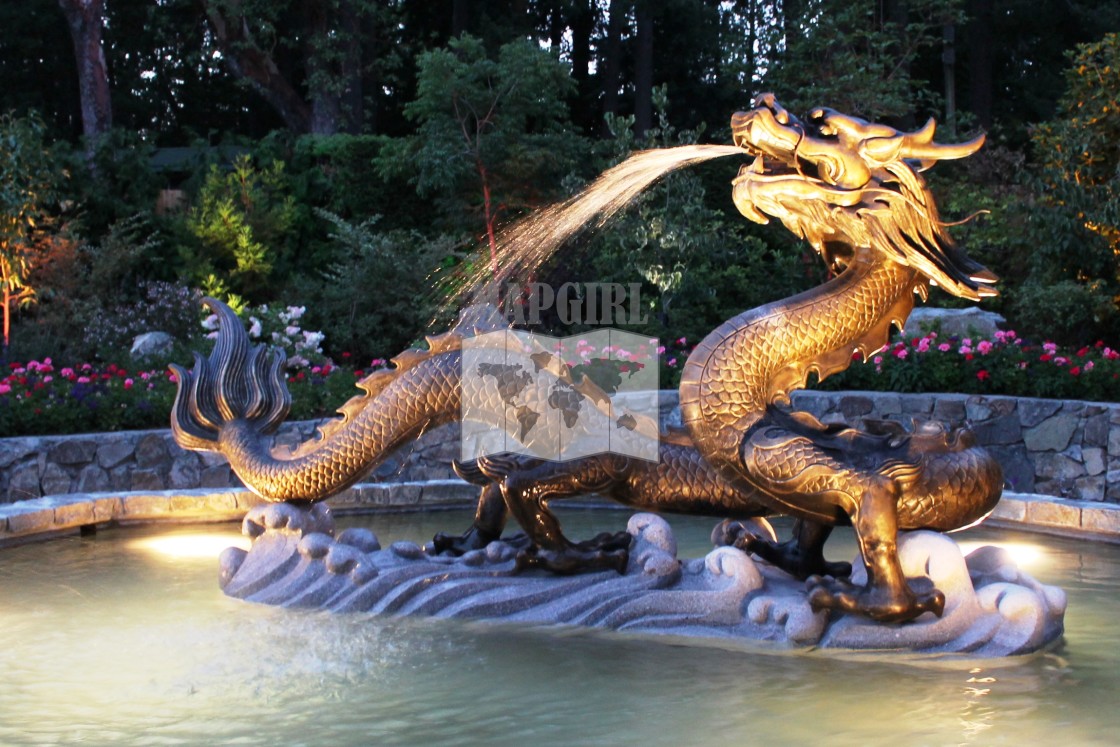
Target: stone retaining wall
36,466
1060,448
1067,449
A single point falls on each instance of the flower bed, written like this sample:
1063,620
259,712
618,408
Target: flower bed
39,397
1005,365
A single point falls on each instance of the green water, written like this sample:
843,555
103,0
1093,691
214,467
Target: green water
105,640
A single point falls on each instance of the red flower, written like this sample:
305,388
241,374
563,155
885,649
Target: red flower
968,356
1083,352
1045,357
983,375
345,355
359,374
1075,371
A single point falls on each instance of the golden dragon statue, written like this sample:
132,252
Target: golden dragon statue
854,191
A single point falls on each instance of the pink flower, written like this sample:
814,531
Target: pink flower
923,345
48,379
901,353
1088,366
682,341
128,383
1050,347
878,360
67,373
964,350
5,389
172,378
944,347
672,361
984,347
83,379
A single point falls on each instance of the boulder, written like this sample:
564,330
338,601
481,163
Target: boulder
151,345
953,322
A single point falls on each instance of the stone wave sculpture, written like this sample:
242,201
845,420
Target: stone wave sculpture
297,560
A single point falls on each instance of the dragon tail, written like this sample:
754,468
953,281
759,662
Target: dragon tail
238,381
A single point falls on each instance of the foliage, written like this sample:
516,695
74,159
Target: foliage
493,135
858,57
243,222
42,398
376,297
28,179
1080,180
163,307
280,328
1007,364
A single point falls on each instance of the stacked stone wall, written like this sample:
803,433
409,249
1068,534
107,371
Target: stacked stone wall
1060,448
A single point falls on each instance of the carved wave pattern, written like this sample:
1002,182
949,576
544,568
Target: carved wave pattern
296,560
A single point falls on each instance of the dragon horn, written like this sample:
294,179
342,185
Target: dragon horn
917,145
940,152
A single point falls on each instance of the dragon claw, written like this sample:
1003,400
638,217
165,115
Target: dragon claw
880,603
606,551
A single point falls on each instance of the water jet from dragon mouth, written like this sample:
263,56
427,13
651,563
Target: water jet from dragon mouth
530,242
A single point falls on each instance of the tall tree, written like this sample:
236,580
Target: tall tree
86,21
643,68
492,134
611,53
307,58
27,180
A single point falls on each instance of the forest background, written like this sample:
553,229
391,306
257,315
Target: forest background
352,158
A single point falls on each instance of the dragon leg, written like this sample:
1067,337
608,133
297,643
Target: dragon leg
527,492
489,521
800,556
888,595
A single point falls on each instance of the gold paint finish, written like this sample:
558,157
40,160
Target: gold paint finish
853,190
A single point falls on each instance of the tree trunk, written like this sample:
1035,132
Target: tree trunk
979,39
256,67
352,98
85,19
460,18
643,71
326,106
612,49
949,65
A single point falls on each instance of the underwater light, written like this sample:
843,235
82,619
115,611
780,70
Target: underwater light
1025,554
192,545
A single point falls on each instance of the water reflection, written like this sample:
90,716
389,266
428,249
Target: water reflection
104,644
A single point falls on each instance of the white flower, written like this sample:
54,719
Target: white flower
312,339
295,312
210,322
254,327
291,331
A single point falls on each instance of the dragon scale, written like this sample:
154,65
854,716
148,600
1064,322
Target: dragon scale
853,191
759,356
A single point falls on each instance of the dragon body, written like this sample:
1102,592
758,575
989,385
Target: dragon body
853,190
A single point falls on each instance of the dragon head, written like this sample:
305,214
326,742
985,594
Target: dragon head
840,183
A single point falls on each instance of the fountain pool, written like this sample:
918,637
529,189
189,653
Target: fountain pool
125,638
